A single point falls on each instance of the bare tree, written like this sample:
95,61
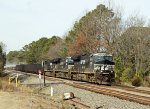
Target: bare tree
134,20
101,22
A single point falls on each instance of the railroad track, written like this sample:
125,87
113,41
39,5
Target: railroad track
122,87
128,88
122,95
77,102
108,91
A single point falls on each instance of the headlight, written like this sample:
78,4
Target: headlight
96,67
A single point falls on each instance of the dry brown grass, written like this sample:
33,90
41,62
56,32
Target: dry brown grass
5,86
26,96
22,96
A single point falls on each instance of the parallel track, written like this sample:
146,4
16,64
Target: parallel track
131,89
79,103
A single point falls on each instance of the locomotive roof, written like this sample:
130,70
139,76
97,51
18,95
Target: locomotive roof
101,54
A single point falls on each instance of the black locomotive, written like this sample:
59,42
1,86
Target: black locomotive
95,68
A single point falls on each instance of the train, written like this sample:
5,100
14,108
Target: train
93,68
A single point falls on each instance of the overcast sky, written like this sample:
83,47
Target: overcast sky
24,21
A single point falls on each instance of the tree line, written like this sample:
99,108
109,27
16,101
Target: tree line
34,52
127,40
2,57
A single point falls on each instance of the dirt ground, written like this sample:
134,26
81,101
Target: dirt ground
24,97
15,100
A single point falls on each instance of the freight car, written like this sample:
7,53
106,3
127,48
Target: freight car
96,68
31,68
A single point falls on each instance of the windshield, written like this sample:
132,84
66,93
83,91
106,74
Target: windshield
69,60
102,58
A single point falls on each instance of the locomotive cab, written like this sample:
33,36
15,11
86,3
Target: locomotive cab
47,65
102,62
69,63
103,67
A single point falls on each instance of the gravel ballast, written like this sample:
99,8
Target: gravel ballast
94,100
